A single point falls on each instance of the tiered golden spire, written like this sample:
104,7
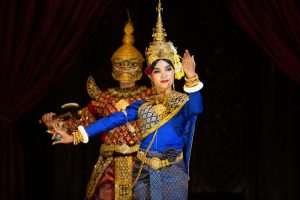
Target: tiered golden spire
159,33
161,49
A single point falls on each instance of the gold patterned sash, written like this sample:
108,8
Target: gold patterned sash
149,119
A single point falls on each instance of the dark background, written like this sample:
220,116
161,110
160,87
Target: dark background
245,142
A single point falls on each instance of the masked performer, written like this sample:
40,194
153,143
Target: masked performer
167,119
121,143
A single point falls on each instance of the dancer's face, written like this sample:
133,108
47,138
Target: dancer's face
162,76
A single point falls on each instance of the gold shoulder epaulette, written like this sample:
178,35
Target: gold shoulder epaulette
92,88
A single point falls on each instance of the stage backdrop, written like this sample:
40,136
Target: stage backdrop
245,140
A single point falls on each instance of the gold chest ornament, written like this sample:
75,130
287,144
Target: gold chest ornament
160,105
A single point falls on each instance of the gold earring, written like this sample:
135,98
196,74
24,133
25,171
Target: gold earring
153,88
173,86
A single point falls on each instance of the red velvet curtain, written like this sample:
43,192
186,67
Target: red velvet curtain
39,42
275,26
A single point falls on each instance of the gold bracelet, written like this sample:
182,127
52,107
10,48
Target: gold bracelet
77,137
192,83
192,78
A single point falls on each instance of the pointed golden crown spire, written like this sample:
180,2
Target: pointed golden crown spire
159,33
127,61
161,49
128,38
127,50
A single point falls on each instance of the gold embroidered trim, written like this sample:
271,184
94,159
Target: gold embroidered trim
99,168
164,120
123,178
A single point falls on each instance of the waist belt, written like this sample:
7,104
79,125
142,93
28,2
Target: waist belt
156,162
123,149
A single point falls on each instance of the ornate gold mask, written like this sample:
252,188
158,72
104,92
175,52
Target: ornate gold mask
127,61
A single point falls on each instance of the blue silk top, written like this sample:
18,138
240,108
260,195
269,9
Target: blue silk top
171,133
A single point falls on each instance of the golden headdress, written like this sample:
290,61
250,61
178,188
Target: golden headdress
127,61
161,49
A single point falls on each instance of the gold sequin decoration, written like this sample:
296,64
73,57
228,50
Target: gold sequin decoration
123,178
